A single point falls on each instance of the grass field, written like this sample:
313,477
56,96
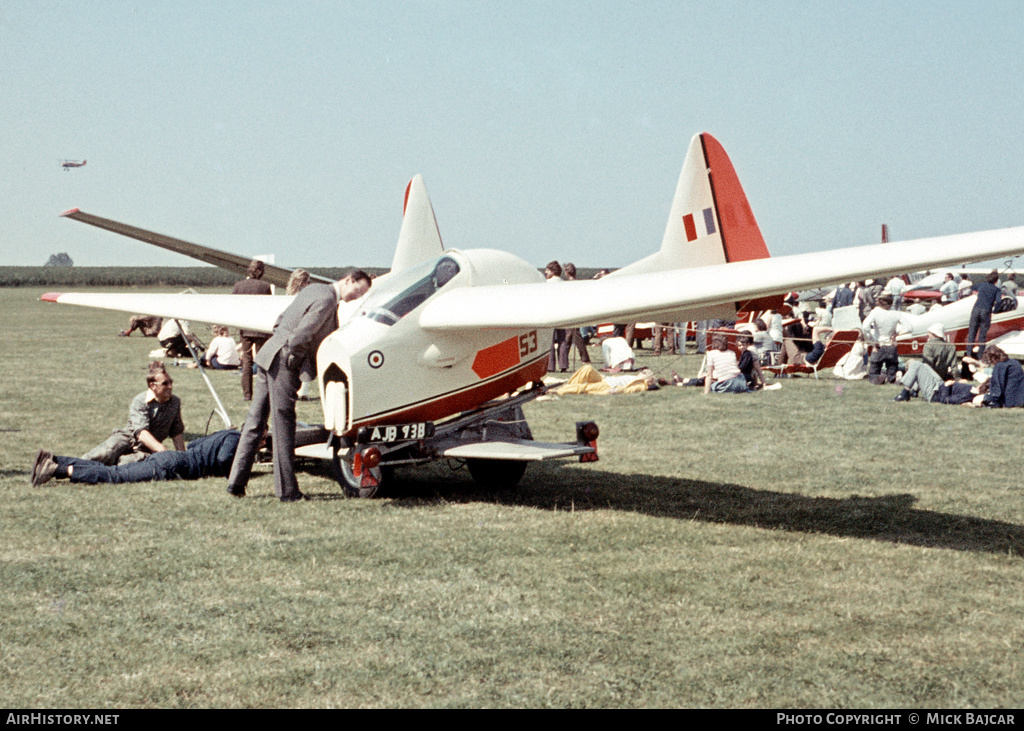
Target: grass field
817,546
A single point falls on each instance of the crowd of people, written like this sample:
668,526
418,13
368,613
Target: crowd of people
871,315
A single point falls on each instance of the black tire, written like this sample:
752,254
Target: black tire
500,474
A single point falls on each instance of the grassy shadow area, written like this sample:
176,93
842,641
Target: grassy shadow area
890,518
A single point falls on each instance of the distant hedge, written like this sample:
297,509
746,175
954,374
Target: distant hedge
44,276
135,276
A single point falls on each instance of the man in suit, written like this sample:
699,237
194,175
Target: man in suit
251,339
288,354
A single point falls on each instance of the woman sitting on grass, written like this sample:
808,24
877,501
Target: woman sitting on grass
1006,387
723,372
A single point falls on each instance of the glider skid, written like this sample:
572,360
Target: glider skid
494,441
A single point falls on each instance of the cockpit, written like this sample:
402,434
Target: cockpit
409,290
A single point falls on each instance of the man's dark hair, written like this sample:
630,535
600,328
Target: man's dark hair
358,275
256,269
993,277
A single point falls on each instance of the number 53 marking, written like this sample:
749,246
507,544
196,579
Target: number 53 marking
527,343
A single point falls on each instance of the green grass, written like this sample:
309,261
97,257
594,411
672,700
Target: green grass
813,546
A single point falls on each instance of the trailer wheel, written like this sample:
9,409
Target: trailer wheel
350,484
501,474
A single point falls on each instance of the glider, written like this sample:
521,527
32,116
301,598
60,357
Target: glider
413,372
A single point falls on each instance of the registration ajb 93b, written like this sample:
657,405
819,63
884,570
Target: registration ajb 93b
396,432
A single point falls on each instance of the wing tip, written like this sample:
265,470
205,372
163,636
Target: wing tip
71,212
51,297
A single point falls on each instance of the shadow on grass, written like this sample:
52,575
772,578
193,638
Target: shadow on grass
890,518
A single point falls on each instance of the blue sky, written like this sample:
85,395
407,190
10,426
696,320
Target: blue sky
554,130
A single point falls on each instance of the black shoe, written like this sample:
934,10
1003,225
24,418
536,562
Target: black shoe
43,468
236,491
294,498
903,395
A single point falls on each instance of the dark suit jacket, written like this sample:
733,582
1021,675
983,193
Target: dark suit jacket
301,328
251,286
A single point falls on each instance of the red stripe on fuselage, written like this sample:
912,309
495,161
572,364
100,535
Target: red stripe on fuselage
497,358
456,402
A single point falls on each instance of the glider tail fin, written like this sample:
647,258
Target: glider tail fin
419,239
711,221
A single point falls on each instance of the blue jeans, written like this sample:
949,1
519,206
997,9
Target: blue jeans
736,384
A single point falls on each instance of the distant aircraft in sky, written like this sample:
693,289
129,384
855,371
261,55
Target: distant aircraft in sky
68,164
410,374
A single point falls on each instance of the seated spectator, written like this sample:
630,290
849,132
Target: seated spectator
172,338
148,325
749,362
973,369
920,379
205,457
1006,387
153,416
820,336
763,340
853,365
723,372
222,353
938,353
618,356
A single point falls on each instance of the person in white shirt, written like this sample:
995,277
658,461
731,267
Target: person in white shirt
880,328
222,353
723,371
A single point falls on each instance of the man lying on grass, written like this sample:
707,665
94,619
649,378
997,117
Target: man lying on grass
205,457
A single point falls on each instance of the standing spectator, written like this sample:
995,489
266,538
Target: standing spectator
252,340
575,336
880,329
297,282
895,288
289,357
963,287
988,296
1009,286
948,290
559,336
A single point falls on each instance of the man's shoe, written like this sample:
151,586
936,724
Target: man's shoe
903,395
43,468
294,498
236,491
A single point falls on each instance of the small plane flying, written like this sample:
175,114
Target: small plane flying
422,367
68,164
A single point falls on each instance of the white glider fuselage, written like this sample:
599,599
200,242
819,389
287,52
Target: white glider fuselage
382,367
